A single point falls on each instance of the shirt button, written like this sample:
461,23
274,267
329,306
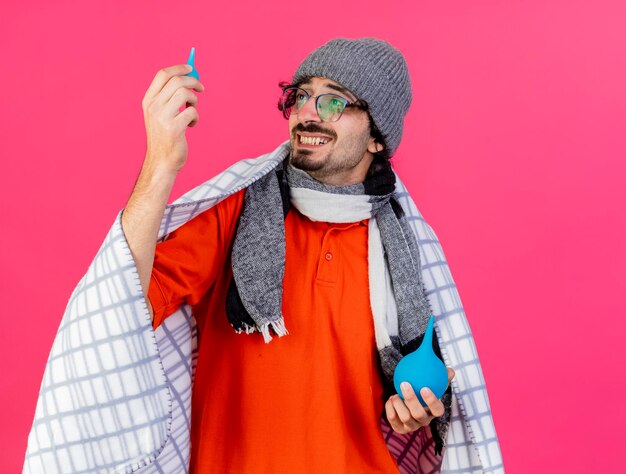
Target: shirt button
328,256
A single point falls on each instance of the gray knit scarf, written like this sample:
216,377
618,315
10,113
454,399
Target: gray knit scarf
399,305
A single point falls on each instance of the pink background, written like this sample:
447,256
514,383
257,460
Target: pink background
513,149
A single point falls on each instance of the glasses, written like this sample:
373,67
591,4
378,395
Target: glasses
329,107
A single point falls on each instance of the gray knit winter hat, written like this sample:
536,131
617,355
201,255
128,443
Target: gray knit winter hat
374,71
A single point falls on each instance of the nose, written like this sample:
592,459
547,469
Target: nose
308,113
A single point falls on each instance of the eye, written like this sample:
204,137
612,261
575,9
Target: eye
301,98
336,104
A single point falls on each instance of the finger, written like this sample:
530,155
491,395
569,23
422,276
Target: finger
434,404
192,103
194,120
410,423
176,83
401,409
394,418
451,374
178,100
413,404
163,76
188,117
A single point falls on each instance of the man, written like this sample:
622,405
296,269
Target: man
331,139
315,248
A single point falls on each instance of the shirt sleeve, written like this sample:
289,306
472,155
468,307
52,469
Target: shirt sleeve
187,263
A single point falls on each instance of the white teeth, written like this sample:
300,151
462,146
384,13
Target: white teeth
313,140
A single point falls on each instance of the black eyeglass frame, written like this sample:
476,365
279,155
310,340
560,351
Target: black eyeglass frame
286,108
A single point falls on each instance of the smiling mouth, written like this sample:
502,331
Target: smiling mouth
313,141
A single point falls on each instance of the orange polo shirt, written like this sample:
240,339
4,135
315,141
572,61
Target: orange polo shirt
308,402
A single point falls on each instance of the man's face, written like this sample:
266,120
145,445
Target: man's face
348,150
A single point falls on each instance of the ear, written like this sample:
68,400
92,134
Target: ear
374,147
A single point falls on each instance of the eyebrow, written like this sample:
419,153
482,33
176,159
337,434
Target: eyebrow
335,87
338,88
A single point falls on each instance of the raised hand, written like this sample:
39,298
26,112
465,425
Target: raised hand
169,107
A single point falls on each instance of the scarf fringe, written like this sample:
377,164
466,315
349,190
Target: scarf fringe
248,329
278,327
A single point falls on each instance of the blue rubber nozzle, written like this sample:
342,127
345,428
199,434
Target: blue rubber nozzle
191,61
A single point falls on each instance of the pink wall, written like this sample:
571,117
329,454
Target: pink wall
514,150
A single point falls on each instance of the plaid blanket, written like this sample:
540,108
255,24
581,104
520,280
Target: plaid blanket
116,394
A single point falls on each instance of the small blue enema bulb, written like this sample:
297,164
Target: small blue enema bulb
191,61
422,368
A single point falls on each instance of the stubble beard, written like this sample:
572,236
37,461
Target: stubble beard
327,165
303,161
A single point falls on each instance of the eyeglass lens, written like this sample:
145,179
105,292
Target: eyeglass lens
329,106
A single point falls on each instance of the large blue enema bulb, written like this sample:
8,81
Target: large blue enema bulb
422,368
191,61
